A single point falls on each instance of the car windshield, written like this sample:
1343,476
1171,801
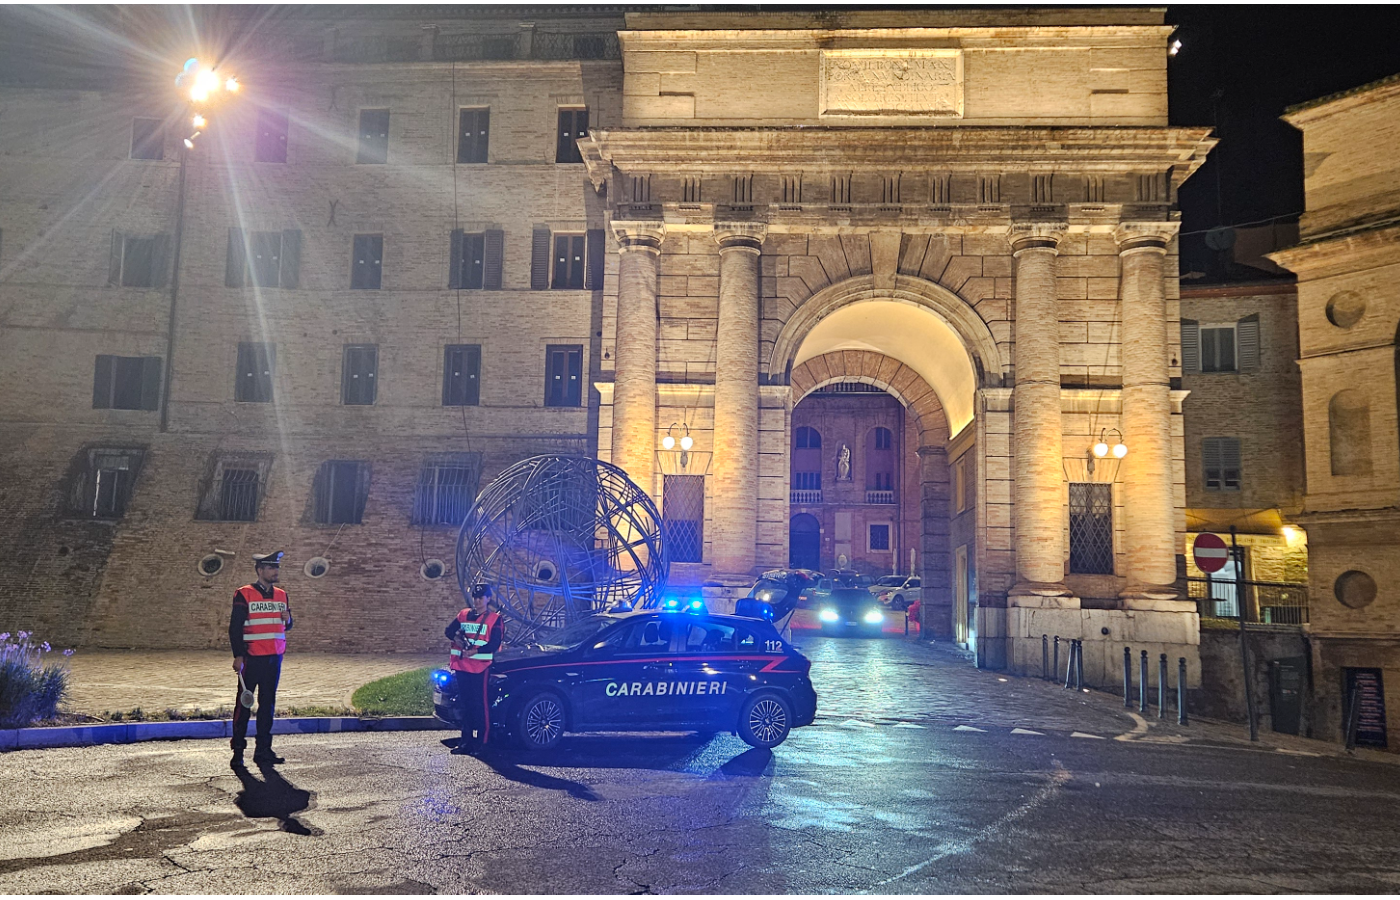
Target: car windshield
573,635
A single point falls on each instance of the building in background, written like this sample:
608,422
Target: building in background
1348,268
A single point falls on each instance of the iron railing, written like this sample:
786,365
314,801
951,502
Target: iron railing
806,497
1266,602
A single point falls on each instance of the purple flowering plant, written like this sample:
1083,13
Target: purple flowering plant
30,688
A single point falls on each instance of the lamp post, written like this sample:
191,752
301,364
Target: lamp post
201,86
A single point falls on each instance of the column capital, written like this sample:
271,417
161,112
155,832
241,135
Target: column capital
740,235
1036,236
1145,235
639,235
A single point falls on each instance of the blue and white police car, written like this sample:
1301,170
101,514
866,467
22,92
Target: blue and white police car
652,670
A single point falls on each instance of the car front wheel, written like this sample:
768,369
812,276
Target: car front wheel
539,723
899,604
765,720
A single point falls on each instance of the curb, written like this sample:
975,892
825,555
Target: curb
136,732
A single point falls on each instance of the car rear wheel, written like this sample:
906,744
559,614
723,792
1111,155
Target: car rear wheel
765,720
539,723
899,604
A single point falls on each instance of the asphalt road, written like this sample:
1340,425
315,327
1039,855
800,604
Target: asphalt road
955,797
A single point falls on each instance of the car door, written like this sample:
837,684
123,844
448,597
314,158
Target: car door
636,679
595,678
706,673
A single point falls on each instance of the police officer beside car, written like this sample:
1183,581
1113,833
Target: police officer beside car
257,634
476,634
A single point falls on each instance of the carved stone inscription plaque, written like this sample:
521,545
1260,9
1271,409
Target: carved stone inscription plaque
892,83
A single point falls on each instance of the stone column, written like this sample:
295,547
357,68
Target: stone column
1040,542
1150,532
634,384
734,515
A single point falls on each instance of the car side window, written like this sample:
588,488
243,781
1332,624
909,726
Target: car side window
746,641
710,637
647,638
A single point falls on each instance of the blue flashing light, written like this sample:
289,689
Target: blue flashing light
442,678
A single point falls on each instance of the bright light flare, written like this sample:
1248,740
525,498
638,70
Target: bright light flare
687,442
668,442
1174,49
829,615
874,617
189,143
231,85
1100,449
1120,450
199,121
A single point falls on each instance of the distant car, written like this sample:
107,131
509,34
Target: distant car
899,598
883,585
850,610
646,671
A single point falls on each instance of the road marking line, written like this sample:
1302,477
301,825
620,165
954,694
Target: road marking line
1027,731
1298,752
907,725
1138,730
1058,777
1080,734
856,723
970,728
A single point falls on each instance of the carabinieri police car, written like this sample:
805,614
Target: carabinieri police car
650,670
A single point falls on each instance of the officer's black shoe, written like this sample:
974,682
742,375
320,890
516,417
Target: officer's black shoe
237,761
267,759
466,750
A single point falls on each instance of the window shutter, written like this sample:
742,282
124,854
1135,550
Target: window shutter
114,263
237,259
539,260
454,266
1190,345
321,502
102,383
494,243
1211,474
1230,454
150,382
160,261
291,258
361,490
597,246
1247,334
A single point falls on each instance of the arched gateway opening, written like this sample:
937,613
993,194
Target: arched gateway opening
883,440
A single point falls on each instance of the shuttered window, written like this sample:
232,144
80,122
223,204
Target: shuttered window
139,261
563,375
539,259
573,124
126,382
569,250
367,262
263,258
359,375
461,375
374,136
474,135
476,260
1247,336
254,373
271,144
1220,460
340,492
1190,346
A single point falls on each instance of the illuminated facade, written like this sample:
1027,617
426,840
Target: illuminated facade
973,211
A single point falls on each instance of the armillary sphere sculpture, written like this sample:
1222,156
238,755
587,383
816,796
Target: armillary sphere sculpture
559,538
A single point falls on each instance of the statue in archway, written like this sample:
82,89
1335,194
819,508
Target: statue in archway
843,464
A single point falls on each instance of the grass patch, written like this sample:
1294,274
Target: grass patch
404,694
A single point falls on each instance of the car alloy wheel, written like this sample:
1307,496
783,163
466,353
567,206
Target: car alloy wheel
541,722
765,721
899,604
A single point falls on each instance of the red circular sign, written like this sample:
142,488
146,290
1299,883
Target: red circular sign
1210,552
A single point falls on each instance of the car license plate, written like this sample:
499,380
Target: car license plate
852,624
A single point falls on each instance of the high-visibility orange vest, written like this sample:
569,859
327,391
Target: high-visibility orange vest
263,630
466,651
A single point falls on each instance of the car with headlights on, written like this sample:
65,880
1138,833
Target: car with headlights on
649,670
851,610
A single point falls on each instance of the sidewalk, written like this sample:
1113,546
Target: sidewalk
156,680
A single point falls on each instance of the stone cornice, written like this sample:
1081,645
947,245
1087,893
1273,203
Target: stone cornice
1045,149
746,235
1342,251
639,235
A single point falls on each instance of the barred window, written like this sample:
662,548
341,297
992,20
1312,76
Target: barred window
444,494
880,537
233,488
1091,528
683,514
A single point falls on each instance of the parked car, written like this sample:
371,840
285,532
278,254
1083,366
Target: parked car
883,585
899,598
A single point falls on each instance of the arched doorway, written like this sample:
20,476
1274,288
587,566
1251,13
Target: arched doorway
804,542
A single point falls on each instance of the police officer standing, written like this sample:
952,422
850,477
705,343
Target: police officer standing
476,634
257,632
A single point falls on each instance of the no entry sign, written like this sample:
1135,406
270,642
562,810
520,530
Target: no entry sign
1210,552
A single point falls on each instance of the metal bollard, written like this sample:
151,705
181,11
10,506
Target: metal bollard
1162,686
1045,657
1127,678
1181,690
1142,688
1055,669
1079,665
1069,667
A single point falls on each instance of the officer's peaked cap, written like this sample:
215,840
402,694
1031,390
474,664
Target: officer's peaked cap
268,559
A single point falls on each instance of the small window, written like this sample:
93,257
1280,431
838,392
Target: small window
359,375
808,438
710,637
105,488
374,136
147,139
126,382
234,488
254,374
469,261
806,481
138,262
683,516
961,495
569,257
271,145
474,134
461,375
573,124
563,375
1218,348
879,537
444,494
367,263
883,481
263,258
1091,528
1220,458
340,492
884,438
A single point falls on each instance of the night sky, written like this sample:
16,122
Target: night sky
1257,60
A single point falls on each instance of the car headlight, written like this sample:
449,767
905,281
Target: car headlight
829,615
873,617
